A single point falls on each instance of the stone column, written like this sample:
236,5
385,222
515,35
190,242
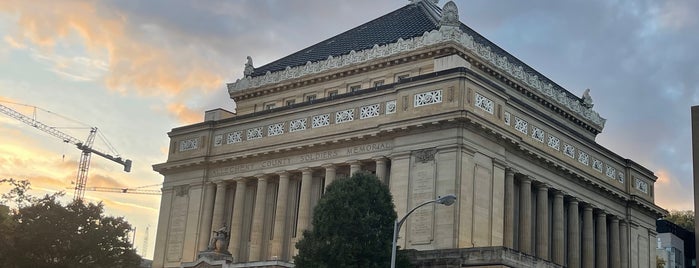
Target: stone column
573,234
218,219
624,244
304,202
614,246
381,169
588,238
207,216
237,219
329,174
542,221
509,221
355,166
525,215
280,217
258,219
601,240
557,236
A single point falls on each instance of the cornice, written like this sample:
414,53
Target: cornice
554,93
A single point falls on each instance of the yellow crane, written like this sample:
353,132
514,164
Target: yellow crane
85,147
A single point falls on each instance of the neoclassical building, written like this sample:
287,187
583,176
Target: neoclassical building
432,108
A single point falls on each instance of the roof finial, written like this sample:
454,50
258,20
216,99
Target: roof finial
450,15
249,69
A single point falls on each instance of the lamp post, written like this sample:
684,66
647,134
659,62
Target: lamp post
446,200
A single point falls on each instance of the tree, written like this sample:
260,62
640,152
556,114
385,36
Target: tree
352,226
683,218
45,233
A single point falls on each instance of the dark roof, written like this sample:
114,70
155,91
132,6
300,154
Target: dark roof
406,22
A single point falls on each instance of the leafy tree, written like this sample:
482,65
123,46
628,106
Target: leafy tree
352,226
683,218
42,232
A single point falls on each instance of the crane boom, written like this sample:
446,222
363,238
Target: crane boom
123,190
85,147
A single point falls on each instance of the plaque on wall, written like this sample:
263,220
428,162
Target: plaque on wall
177,226
422,189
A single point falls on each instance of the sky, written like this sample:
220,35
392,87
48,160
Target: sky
136,69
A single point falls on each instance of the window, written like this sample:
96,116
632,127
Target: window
310,97
290,102
402,76
354,88
269,106
378,83
332,93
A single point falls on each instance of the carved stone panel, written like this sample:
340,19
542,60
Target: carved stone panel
422,189
177,226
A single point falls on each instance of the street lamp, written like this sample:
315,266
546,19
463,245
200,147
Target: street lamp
446,200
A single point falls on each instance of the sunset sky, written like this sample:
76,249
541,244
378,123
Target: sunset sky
136,69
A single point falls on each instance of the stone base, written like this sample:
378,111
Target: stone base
475,257
210,259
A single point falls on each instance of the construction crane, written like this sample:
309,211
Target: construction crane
85,147
123,190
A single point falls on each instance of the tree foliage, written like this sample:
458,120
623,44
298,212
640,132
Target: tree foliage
352,226
683,218
41,232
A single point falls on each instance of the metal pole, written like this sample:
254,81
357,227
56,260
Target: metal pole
393,249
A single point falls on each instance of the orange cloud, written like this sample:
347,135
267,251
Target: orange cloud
138,60
184,114
670,194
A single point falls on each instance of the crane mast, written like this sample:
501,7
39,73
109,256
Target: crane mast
85,147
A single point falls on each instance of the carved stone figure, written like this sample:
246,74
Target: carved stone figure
450,15
219,242
249,69
587,99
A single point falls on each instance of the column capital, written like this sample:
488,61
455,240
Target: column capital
601,213
499,162
571,198
525,179
328,165
261,176
588,206
353,162
379,158
241,180
283,173
511,170
541,186
220,182
557,193
305,170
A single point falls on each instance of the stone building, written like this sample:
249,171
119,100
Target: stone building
432,108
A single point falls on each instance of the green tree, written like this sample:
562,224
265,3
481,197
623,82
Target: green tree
45,233
352,226
683,218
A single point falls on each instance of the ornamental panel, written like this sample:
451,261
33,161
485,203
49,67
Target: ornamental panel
344,116
320,120
254,133
583,158
390,106
427,98
620,177
507,118
189,144
611,172
234,137
521,125
485,104
297,125
218,140
275,129
537,134
554,143
369,111
569,150
597,165
641,185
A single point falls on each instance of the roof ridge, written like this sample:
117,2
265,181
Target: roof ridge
432,9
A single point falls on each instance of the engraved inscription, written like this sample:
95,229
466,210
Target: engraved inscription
422,190
178,221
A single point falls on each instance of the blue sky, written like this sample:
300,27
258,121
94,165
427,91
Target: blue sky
136,69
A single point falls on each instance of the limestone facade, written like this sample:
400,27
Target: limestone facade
436,119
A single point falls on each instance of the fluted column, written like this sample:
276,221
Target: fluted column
614,246
207,216
542,221
509,221
304,202
588,238
573,234
258,219
525,216
381,169
624,244
280,217
355,166
237,219
329,174
557,236
601,240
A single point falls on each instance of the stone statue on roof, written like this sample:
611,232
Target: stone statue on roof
587,99
249,69
219,241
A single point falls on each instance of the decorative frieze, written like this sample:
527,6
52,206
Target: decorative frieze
234,137
537,134
297,125
597,165
521,125
485,104
583,158
254,133
611,172
641,185
391,107
484,51
427,98
218,140
189,144
275,129
320,120
569,150
554,142
507,118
